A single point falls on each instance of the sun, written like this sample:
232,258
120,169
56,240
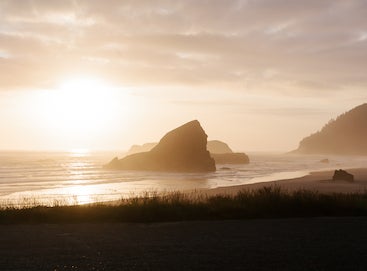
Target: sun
83,104
82,109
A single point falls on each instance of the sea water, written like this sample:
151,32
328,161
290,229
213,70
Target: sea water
28,178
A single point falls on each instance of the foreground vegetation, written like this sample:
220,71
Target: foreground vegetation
268,202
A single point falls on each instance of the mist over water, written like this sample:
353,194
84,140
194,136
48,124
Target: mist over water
78,178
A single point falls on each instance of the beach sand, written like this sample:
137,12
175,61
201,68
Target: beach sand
320,181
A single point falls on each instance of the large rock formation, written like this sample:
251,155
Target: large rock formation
213,146
347,135
219,150
181,150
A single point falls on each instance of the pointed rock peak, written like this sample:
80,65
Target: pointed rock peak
188,127
182,149
187,137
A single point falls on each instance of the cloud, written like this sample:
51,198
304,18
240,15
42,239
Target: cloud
289,47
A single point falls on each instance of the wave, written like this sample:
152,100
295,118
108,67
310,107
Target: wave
53,175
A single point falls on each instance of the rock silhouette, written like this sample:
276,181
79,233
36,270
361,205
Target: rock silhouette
216,146
180,150
342,175
213,146
219,150
141,148
223,154
347,135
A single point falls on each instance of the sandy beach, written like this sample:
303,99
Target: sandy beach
320,181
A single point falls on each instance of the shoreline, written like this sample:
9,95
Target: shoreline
318,181
315,181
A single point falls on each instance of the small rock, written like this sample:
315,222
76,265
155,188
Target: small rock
230,158
343,176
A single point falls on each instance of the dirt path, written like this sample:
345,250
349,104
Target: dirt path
279,244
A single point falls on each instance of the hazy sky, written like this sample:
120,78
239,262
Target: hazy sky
259,75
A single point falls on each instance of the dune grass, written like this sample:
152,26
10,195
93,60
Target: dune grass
268,202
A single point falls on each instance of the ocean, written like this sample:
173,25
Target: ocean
54,178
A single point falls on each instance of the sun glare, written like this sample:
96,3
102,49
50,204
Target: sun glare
82,103
79,152
83,108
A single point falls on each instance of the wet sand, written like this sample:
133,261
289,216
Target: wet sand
277,244
320,181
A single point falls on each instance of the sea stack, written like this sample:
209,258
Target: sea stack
219,151
180,150
216,146
223,154
213,146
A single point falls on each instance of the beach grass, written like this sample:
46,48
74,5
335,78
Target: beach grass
267,202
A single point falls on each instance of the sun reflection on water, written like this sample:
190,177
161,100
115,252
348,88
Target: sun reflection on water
79,152
81,194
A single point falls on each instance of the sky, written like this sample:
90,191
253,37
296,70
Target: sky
259,75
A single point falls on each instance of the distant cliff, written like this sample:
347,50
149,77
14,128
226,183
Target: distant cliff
180,150
346,135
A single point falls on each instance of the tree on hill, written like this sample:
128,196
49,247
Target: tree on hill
347,134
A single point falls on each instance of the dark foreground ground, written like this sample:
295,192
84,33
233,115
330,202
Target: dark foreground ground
276,244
